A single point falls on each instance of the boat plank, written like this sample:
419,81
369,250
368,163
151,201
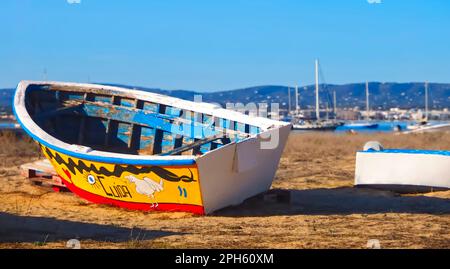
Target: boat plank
59,111
146,140
135,129
81,131
196,144
159,133
155,120
109,125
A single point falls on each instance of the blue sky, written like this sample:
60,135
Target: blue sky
220,45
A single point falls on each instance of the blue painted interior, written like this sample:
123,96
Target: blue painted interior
411,151
96,158
124,125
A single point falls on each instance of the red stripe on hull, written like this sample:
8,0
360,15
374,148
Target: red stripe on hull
94,198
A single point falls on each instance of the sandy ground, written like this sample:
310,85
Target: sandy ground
325,210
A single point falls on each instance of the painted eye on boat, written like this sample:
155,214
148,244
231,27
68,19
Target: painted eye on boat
91,179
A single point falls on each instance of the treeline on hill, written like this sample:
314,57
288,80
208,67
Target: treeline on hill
382,95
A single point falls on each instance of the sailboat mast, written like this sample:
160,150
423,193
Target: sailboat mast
367,101
289,96
297,107
289,100
44,74
317,91
426,101
334,104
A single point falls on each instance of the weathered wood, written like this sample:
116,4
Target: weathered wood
159,134
73,89
160,121
178,142
63,110
109,125
81,132
134,128
196,144
41,172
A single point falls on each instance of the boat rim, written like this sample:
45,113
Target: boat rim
42,137
409,151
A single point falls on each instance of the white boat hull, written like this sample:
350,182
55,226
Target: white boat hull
239,171
403,170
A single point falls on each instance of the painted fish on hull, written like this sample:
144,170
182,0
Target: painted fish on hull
129,186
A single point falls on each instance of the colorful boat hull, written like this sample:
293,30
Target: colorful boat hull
142,151
166,188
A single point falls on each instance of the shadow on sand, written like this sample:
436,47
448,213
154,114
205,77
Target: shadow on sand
339,201
38,229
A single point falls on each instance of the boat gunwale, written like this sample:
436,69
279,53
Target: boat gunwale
200,107
42,137
409,151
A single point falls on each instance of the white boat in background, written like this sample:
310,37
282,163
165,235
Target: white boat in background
428,128
402,170
417,126
10,126
364,125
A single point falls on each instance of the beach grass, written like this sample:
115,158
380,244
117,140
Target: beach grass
325,211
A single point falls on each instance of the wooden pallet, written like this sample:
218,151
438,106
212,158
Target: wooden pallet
41,173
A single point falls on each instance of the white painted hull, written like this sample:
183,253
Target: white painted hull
403,169
239,171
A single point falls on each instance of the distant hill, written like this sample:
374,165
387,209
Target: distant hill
382,95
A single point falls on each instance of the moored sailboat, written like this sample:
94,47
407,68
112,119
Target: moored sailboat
318,124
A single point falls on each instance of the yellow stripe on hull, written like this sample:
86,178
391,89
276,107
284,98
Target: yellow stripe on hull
151,185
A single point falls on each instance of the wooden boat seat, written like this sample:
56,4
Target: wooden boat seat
194,145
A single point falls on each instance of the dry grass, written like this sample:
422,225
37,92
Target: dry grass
16,149
329,144
325,212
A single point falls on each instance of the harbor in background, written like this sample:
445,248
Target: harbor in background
10,126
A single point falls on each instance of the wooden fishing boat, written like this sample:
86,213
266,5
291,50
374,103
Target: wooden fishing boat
146,151
402,170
